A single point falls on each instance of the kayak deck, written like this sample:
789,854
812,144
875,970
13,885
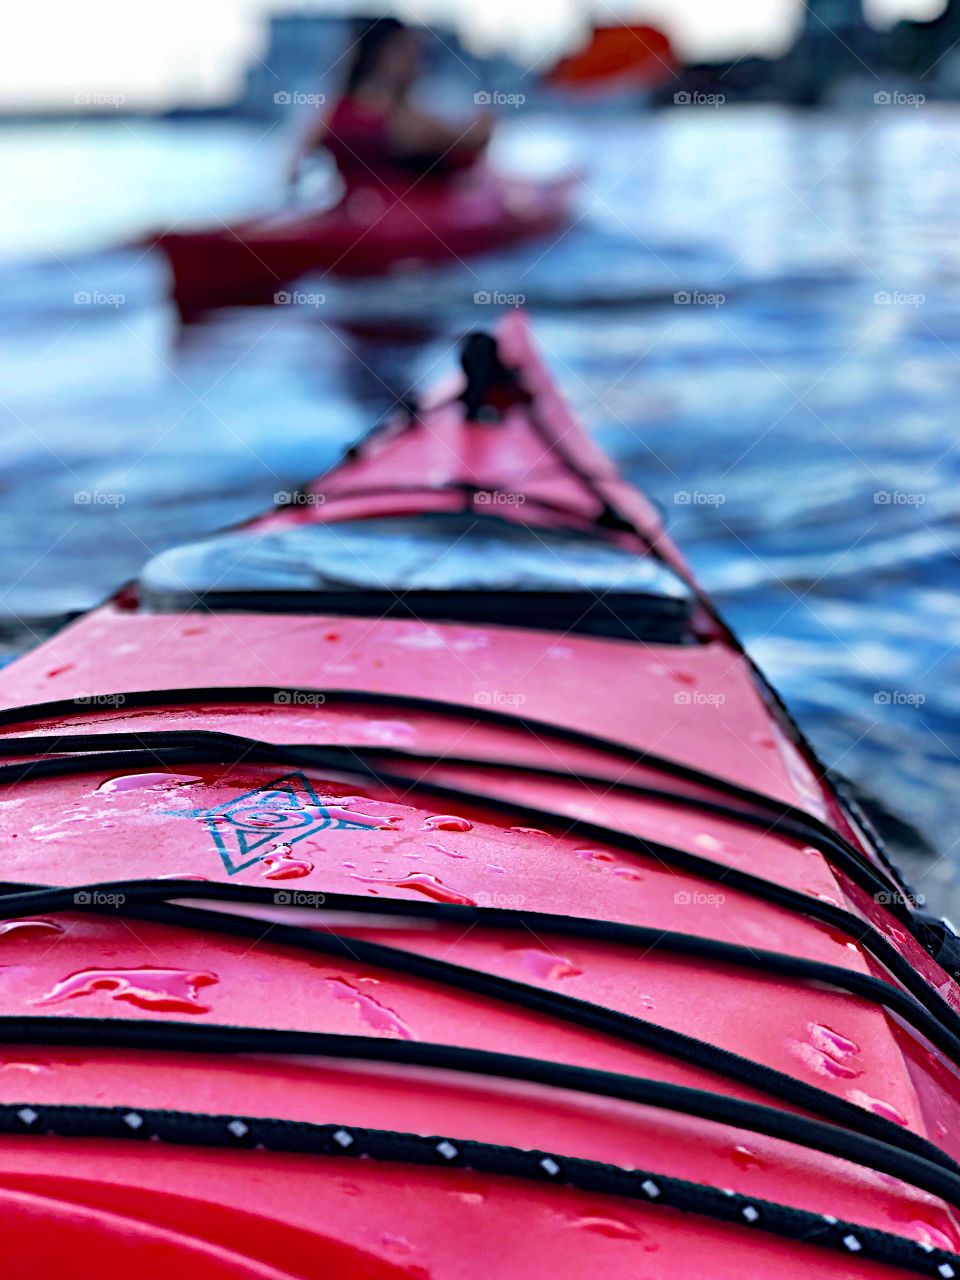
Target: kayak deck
476,900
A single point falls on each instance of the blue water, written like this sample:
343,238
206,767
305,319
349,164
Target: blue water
796,419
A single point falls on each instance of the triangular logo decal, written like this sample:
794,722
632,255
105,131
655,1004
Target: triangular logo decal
284,811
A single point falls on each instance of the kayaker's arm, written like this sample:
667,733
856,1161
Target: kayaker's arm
417,133
312,140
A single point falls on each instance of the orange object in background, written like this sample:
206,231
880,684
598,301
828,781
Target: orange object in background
638,55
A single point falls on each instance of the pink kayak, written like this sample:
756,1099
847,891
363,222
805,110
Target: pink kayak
419,881
372,231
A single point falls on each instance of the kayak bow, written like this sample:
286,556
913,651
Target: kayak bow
420,880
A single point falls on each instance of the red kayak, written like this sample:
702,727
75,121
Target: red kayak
420,881
372,231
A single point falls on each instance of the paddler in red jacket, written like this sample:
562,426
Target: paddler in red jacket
374,132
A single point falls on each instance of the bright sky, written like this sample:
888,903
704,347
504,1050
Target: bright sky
159,51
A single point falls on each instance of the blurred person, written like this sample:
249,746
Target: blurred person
374,131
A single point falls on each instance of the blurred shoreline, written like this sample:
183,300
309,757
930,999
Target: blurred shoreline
836,59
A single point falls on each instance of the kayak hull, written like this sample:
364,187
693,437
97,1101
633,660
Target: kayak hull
373,231
233,1098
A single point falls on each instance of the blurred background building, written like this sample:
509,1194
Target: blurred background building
234,55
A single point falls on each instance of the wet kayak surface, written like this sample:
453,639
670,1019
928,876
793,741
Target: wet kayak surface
755,314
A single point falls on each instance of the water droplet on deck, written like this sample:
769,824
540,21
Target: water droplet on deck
281,864
527,831
399,1244
746,1158
449,853
29,928
706,841
545,964
821,1062
611,1227
156,990
374,1013
595,855
341,814
876,1105
146,782
390,732
832,1042
31,1068
928,1234
446,822
422,882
